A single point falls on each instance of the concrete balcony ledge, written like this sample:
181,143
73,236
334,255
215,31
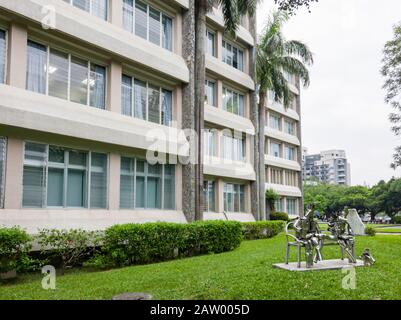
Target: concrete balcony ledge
279,135
219,167
290,113
33,219
288,191
241,217
79,24
229,120
28,110
229,73
282,163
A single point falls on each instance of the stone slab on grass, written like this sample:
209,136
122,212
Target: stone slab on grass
321,265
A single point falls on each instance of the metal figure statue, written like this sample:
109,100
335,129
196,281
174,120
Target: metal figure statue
367,258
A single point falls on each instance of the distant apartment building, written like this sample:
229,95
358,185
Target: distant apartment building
329,166
283,150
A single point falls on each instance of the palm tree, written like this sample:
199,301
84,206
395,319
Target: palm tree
232,12
275,55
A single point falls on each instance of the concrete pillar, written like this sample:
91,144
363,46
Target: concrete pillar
114,181
114,87
177,31
17,55
219,195
14,174
116,12
219,94
219,45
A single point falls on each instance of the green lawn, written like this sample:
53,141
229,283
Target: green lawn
245,273
388,230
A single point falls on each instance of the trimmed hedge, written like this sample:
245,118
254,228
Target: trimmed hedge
262,229
14,248
151,242
281,216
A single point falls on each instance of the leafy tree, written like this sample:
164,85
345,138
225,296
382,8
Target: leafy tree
292,5
272,197
392,74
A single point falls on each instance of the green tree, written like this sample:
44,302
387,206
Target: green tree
391,72
271,198
292,5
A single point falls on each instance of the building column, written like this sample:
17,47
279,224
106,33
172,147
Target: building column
219,94
219,195
116,12
17,55
114,181
14,174
114,87
219,45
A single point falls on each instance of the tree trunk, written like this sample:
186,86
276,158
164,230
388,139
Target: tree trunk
262,169
201,7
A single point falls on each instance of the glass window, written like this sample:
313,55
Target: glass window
291,206
58,177
79,80
275,122
209,196
153,104
97,8
2,56
141,19
233,56
167,107
140,98
97,85
210,93
82,4
289,127
58,74
154,26
234,198
233,148
167,39
275,149
210,43
278,206
209,142
289,153
128,15
2,169
141,185
126,96
233,102
36,68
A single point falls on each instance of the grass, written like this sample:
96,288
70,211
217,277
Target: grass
388,230
245,273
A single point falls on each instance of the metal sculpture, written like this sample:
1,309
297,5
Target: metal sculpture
367,258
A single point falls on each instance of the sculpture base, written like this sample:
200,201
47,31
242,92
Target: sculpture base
321,265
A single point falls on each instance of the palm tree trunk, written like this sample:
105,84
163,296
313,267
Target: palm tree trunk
201,7
262,171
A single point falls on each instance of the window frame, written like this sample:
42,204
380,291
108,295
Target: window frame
71,3
4,141
234,191
87,191
207,84
90,62
5,30
238,48
214,34
233,140
208,193
228,90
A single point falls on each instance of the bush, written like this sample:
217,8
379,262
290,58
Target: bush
151,242
396,220
262,229
370,231
282,216
71,247
14,249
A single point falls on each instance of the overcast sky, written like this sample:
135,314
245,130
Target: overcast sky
344,106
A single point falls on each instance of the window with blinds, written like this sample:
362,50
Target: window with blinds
291,206
148,23
233,148
234,198
146,101
98,8
146,186
2,56
63,178
62,75
209,196
2,169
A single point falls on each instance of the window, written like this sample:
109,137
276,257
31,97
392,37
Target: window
210,93
233,56
209,142
289,127
289,153
210,43
291,178
2,56
97,8
233,148
146,101
275,122
233,102
64,76
146,186
276,176
291,206
2,169
148,23
275,149
209,195
61,177
234,198
278,205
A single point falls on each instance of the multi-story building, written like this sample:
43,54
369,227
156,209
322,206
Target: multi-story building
87,86
329,166
283,155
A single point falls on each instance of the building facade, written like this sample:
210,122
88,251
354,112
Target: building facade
88,88
283,151
329,166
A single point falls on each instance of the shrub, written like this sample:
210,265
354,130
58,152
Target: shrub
370,231
150,242
282,216
70,246
14,249
396,220
262,229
